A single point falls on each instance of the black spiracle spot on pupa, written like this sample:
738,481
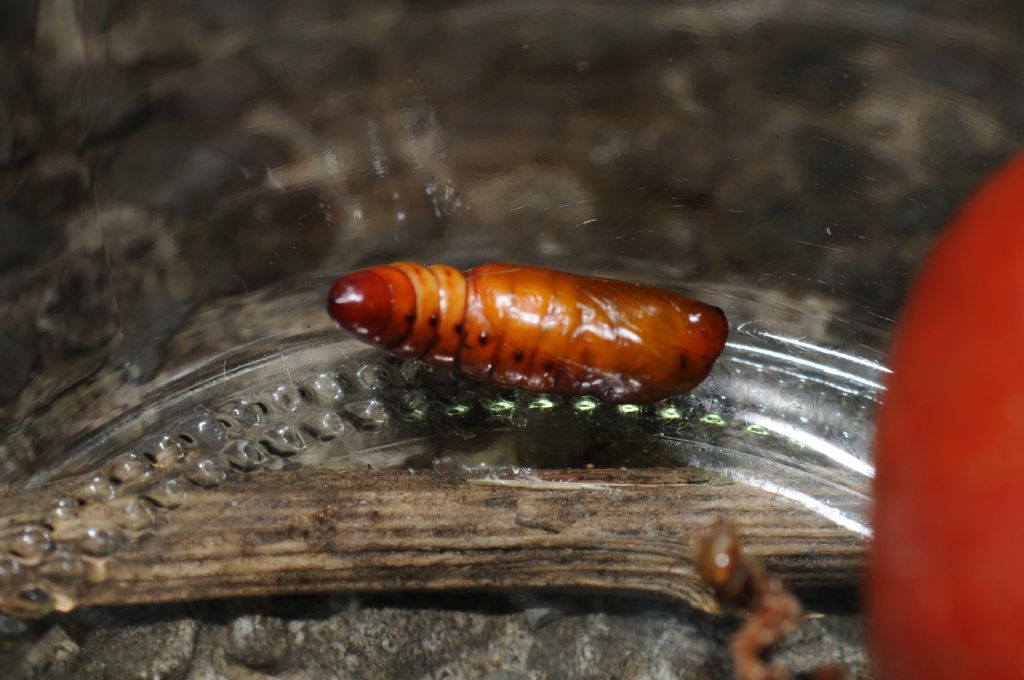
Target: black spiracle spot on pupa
483,338
683,362
433,320
410,317
517,355
458,328
549,366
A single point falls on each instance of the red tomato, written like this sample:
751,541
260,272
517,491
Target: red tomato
946,574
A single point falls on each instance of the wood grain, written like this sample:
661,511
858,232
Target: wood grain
307,531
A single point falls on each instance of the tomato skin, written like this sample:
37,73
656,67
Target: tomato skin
945,593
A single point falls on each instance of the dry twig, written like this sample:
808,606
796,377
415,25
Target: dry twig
185,533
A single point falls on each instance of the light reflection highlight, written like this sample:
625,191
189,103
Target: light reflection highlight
811,503
803,344
801,376
813,442
823,368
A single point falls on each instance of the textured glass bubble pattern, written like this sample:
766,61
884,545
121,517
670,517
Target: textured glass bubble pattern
778,412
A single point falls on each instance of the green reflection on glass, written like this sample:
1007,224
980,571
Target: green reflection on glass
457,410
670,413
501,406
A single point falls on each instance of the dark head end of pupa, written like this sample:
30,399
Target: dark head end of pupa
361,303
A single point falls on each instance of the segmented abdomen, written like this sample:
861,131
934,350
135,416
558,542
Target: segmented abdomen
536,329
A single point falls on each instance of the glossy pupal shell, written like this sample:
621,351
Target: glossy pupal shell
536,329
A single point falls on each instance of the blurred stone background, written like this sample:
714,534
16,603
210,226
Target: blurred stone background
157,158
